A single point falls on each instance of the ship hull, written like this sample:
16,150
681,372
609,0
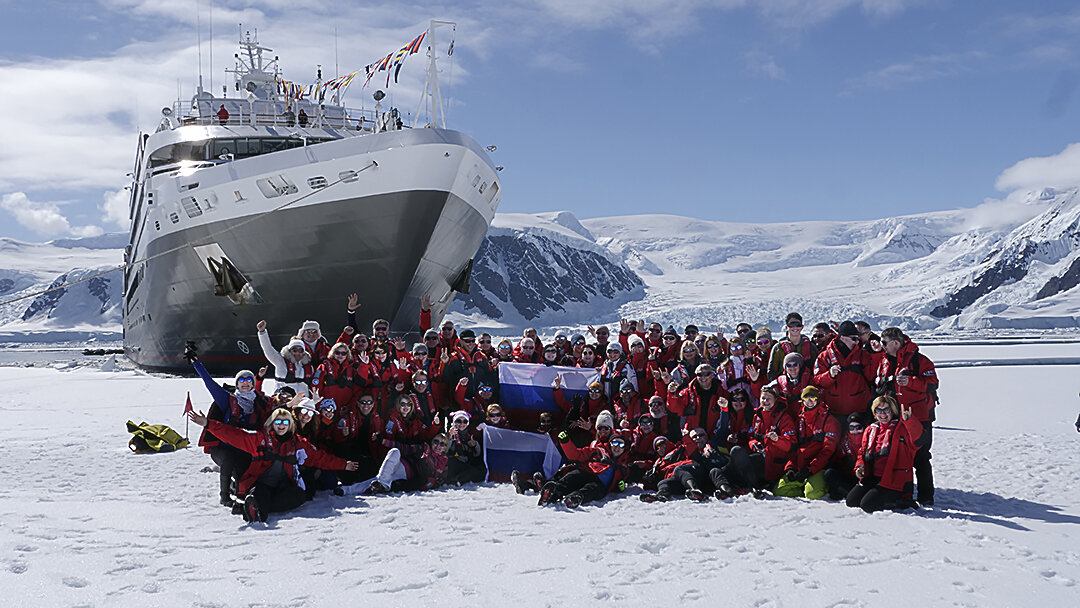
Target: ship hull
389,248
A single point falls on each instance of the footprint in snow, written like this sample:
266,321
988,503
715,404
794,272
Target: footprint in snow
75,582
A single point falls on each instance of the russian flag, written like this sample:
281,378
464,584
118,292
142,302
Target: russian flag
525,390
506,450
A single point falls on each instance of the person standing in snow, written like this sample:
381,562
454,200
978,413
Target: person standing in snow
292,364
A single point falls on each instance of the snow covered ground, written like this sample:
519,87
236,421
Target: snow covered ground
83,522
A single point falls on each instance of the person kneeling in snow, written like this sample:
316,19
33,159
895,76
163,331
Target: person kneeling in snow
272,483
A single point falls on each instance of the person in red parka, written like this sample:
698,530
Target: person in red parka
840,474
335,378
272,483
845,373
819,435
910,377
703,403
740,420
598,468
884,464
789,385
774,436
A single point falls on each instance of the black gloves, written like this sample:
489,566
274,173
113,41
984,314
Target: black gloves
191,353
803,474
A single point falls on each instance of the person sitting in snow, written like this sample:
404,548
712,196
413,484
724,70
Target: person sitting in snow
272,483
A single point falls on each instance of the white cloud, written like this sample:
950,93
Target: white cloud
763,64
919,69
1061,170
114,208
42,218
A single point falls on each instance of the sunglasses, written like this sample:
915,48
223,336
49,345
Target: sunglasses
602,333
669,338
882,410
764,342
604,428
340,353
306,410
645,421
495,415
485,341
618,443
367,403
297,349
505,347
855,428
792,365
282,421
579,343
245,379
705,375
744,331
793,325
528,348
626,391
689,350
818,336
357,341
654,330
428,338
441,444
713,345
594,390
737,347
379,352
468,340
420,382
461,421
381,328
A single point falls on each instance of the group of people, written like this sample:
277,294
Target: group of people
842,413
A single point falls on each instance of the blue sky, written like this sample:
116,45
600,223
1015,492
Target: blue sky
717,109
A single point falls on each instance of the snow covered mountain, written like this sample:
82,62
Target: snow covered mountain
1012,264
90,307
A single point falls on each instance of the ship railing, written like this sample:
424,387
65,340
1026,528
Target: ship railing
355,120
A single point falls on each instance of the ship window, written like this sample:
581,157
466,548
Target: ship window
209,202
168,155
483,187
157,224
239,197
191,206
348,176
174,218
190,186
475,180
272,187
493,191
316,182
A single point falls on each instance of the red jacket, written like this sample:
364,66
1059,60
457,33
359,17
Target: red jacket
412,430
790,391
819,435
921,376
888,452
337,381
688,404
597,459
318,351
590,408
778,452
741,425
266,447
849,391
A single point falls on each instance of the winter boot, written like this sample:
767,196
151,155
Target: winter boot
648,497
696,495
572,501
251,509
227,501
724,492
522,483
538,479
548,494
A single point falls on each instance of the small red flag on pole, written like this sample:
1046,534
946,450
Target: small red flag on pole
187,421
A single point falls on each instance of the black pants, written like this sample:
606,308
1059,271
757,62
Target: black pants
583,483
870,497
233,463
744,470
840,482
924,473
685,477
470,471
284,497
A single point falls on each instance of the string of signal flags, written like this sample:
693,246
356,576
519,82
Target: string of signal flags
392,62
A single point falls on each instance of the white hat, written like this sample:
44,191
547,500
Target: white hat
604,418
309,325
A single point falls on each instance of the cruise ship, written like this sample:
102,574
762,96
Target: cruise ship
257,205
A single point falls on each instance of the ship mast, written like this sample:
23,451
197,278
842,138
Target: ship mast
431,98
